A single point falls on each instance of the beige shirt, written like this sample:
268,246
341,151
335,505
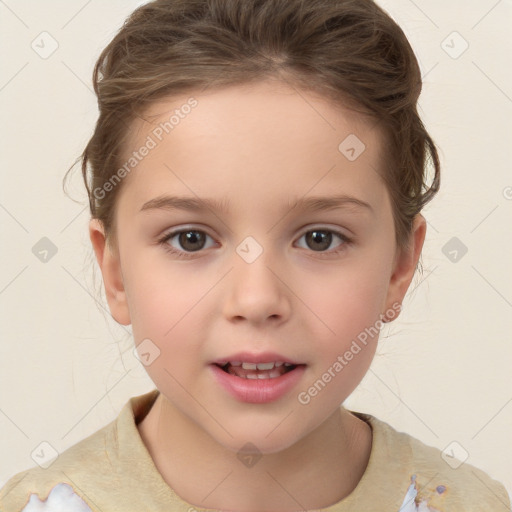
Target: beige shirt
112,471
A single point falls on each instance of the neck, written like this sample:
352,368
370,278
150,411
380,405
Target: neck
316,472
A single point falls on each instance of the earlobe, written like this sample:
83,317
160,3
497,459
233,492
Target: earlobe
110,266
404,267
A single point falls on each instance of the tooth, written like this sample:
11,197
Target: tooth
265,366
263,376
249,366
278,364
251,376
288,364
235,363
274,374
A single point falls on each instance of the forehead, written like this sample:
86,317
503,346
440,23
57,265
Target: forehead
266,138
270,107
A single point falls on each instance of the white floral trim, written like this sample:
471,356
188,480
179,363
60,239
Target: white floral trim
62,498
410,503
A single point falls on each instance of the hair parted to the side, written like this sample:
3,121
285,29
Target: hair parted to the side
349,51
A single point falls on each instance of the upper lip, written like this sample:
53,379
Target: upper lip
251,357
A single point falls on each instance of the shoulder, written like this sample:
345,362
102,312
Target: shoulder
82,477
438,479
61,479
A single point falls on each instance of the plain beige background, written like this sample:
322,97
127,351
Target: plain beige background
442,372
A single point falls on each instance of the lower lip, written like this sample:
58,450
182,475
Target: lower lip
258,391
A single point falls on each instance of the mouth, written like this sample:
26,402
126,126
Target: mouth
258,378
269,370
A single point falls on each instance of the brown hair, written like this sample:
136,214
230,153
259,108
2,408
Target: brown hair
350,51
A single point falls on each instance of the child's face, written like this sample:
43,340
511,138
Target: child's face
256,150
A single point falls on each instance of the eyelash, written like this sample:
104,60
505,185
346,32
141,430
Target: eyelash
188,255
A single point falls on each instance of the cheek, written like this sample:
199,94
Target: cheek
350,306
166,307
164,301
349,299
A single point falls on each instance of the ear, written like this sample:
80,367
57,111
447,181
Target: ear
110,265
406,260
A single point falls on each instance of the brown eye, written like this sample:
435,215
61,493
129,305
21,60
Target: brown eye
321,240
185,241
318,240
192,240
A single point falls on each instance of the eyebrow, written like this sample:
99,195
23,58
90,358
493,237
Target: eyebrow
195,204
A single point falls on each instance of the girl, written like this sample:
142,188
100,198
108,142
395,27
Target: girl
256,178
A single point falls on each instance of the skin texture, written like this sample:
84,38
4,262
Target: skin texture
258,148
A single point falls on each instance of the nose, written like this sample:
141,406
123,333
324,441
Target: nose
257,292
